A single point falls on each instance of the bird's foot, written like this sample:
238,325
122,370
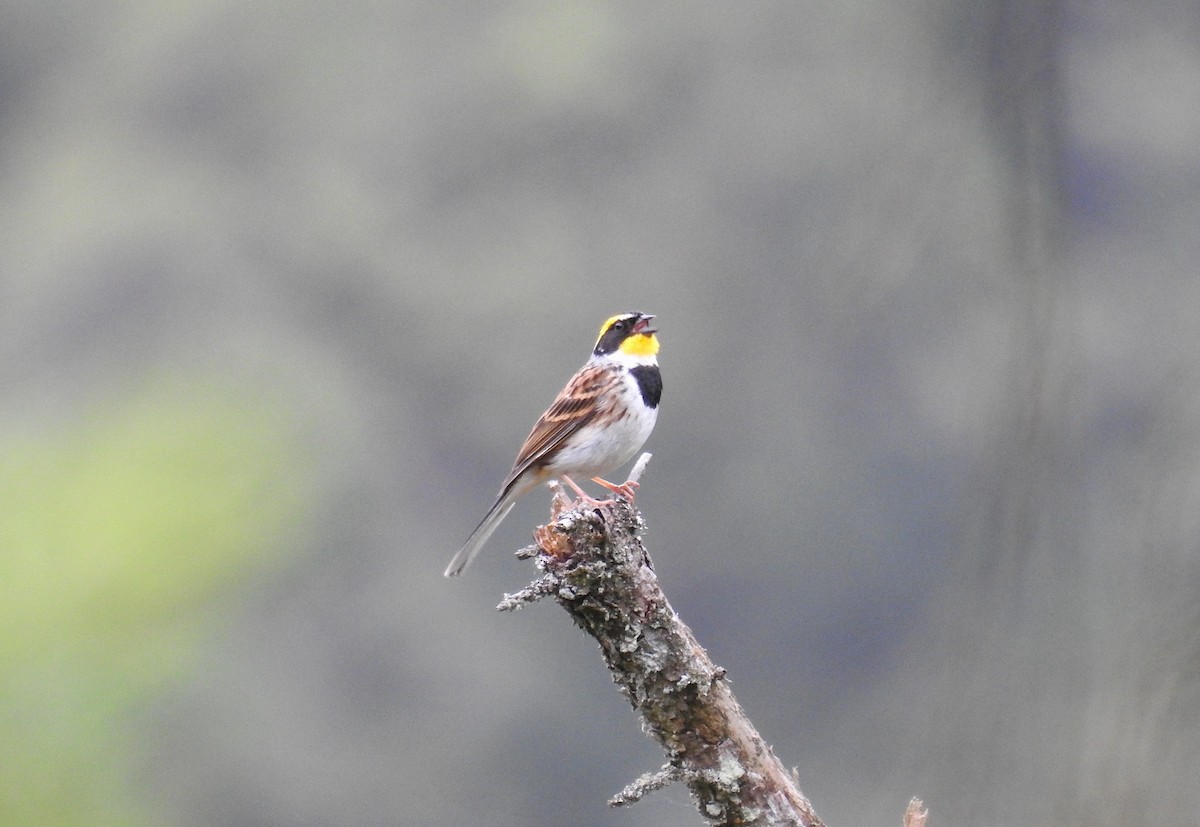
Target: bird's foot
625,490
583,496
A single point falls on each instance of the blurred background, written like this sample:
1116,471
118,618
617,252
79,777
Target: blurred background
284,285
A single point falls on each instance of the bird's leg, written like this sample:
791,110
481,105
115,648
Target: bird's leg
625,490
583,495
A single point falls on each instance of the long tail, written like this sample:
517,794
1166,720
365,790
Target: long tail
491,521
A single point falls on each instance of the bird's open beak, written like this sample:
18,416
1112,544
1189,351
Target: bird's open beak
642,325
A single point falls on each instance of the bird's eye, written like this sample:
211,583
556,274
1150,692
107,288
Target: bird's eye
619,325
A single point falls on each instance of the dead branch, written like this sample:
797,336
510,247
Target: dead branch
595,565
597,569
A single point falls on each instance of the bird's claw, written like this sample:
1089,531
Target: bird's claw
626,490
583,496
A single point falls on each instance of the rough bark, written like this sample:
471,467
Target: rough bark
597,568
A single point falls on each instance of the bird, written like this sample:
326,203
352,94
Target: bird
594,426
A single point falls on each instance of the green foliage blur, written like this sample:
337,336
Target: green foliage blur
118,534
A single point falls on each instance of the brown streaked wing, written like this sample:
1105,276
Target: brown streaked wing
574,407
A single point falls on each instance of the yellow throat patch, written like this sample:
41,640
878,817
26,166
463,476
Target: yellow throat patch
640,344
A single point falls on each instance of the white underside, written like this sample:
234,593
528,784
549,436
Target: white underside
605,448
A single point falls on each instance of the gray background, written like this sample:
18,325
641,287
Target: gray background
925,478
